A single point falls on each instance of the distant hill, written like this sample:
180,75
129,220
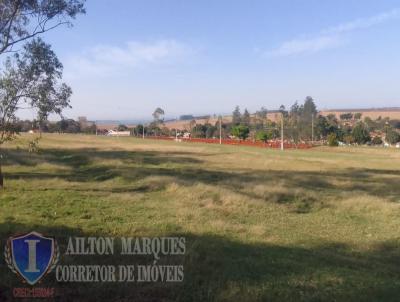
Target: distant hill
373,113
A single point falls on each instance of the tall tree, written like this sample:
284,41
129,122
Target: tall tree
158,115
309,107
246,119
261,118
24,19
158,120
360,133
31,78
236,116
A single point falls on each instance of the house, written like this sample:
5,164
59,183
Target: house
118,133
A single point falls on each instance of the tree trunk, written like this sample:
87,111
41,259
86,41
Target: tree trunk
1,174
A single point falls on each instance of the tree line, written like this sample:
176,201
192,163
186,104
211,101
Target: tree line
302,122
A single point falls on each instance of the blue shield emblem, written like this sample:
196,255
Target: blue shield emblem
32,255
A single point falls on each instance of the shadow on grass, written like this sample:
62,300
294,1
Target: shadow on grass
187,168
220,269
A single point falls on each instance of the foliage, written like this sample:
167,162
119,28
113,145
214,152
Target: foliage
392,137
122,127
261,118
240,131
31,79
376,140
395,124
236,116
158,116
139,130
333,140
262,136
246,118
186,117
346,116
24,19
68,126
299,120
360,133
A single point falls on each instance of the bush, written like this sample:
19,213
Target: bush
392,136
262,136
333,140
377,141
241,131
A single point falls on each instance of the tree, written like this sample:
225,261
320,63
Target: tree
309,107
199,131
31,79
308,112
360,133
299,120
346,116
186,117
24,19
158,115
283,110
139,130
236,116
122,127
211,130
357,115
261,118
395,124
241,131
392,137
246,118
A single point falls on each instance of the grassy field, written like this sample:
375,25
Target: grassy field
260,225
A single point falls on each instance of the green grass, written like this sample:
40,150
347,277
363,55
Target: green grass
261,225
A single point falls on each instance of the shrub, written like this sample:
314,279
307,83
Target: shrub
377,141
392,136
348,139
332,140
262,136
241,131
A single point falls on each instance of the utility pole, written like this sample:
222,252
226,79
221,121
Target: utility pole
312,128
282,131
220,130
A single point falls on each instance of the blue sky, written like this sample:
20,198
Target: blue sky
125,58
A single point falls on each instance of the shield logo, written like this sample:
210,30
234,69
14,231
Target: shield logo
32,255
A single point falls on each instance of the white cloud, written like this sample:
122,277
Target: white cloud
331,37
105,60
301,46
363,23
